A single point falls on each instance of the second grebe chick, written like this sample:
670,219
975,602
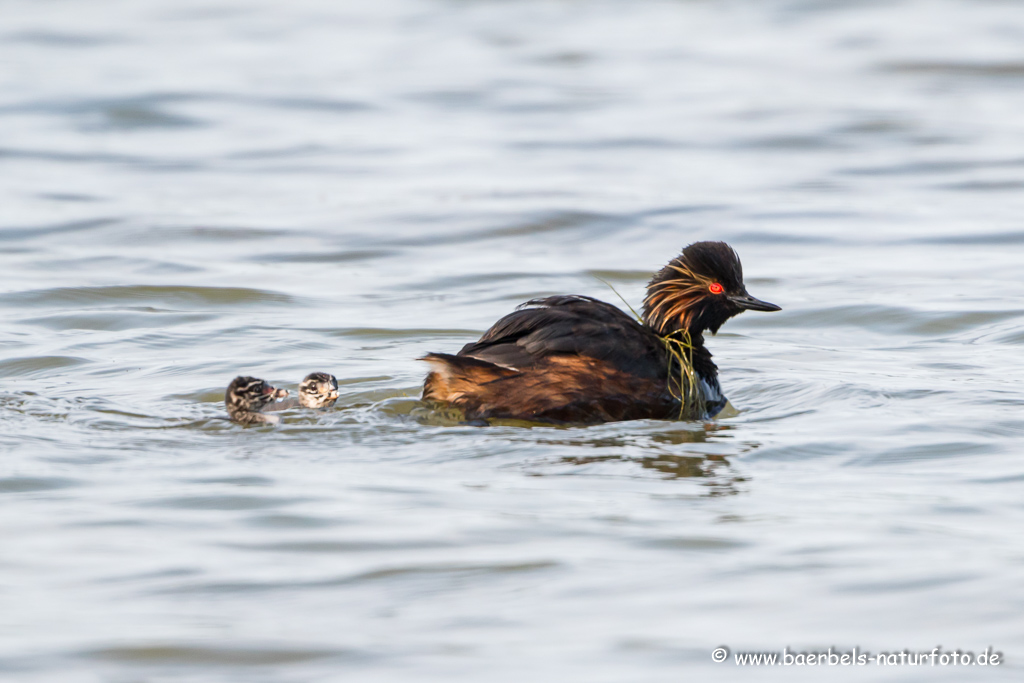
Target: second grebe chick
574,359
318,390
247,397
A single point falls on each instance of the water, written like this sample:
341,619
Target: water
193,190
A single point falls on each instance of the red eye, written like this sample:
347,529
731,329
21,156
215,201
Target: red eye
716,288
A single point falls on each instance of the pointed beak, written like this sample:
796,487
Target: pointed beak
749,303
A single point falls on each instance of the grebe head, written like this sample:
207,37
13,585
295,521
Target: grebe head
250,394
699,290
318,390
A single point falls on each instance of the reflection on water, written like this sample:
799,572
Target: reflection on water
197,190
673,466
652,451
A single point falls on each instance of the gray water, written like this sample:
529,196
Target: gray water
191,190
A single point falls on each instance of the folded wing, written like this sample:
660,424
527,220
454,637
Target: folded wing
569,326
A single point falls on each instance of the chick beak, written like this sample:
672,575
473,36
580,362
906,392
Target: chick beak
749,303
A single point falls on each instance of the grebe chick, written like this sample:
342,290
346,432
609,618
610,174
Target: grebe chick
247,397
317,390
574,359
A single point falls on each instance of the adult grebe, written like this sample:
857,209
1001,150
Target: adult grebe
574,359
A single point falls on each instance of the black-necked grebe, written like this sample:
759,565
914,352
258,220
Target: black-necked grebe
247,397
574,359
318,390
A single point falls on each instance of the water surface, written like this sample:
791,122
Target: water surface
194,190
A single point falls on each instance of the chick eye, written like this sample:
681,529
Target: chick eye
716,288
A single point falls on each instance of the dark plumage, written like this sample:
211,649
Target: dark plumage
574,359
246,397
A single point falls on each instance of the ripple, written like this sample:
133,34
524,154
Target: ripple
135,115
560,222
223,502
37,365
324,256
1005,237
985,186
919,168
1011,338
781,238
179,296
930,451
318,104
33,484
220,233
236,481
64,156
876,125
805,451
67,197
901,586
619,275
61,39
171,654
786,143
490,279
283,521
120,113
698,543
45,231
452,572
133,265
960,69
386,333
898,319
112,322
331,547
600,144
